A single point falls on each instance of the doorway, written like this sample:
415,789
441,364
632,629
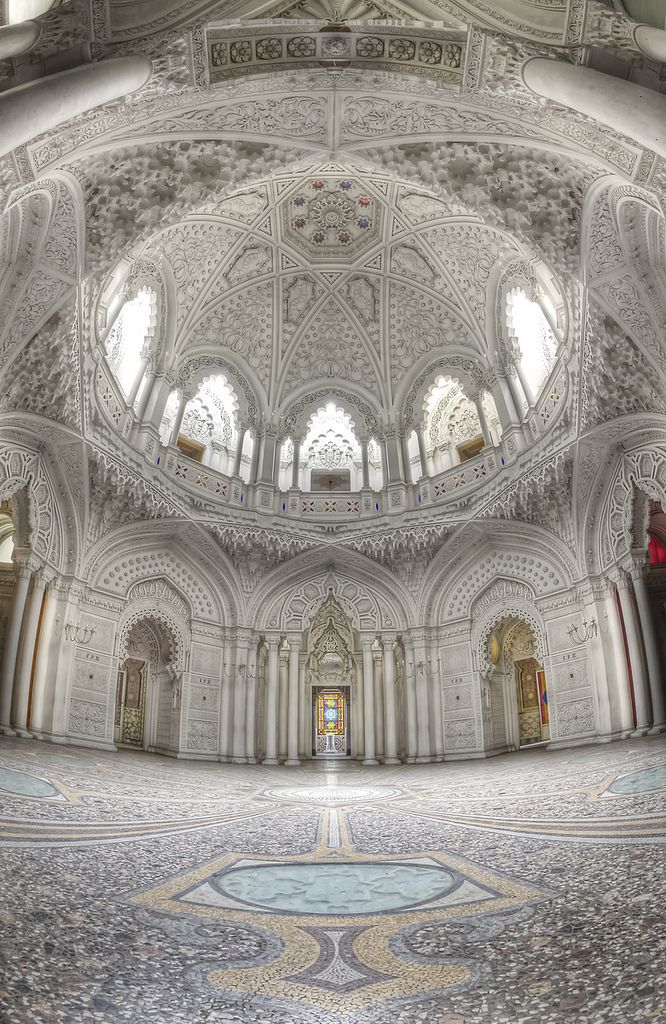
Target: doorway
130,717
532,701
331,732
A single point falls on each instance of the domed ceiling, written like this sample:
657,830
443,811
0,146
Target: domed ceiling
333,273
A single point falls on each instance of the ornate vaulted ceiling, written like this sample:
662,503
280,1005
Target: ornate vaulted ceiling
337,230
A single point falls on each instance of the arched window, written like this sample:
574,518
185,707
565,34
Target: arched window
453,431
533,335
125,342
208,431
6,536
331,453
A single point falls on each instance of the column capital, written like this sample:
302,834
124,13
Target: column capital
294,640
273,639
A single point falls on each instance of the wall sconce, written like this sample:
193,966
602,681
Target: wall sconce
81,635
590,630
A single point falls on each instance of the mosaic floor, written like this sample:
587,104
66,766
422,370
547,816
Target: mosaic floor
528,888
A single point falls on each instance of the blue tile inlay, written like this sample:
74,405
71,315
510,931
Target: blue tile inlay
641,782
23,784
335,888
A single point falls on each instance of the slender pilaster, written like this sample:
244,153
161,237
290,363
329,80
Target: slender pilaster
390,721
410,700
226,702
636,655
240,682
26,654
378,689
422,711
293,714
272,678
12,636
251,707
368,704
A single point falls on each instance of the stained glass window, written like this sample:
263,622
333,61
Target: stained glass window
330,714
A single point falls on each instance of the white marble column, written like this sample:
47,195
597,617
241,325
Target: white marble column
365,463
378,688
420,437
178,422
42,663
636,655
651,41
483,422
156,398
134,390
616,666
238,454
11,645
406,460
26,654
624,106
272,679
283,703
296,465
651,649
368,704
251,707
29,110
293,713
390,720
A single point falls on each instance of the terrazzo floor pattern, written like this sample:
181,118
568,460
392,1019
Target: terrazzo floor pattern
527,888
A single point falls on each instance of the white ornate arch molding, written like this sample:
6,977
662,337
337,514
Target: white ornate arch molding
372,598
156,601
623,240
41,237
194,366
139,554
40,521
620,528
502,600
464,366
366,416
529,557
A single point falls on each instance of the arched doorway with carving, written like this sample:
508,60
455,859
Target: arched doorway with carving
516,685
147,707
331,683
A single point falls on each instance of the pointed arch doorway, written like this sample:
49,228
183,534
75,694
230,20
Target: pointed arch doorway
330,677
518,686
146,691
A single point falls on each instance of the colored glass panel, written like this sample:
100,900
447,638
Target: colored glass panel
330,714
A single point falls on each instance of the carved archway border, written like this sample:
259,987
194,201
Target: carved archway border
147,610
21,475
496,616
